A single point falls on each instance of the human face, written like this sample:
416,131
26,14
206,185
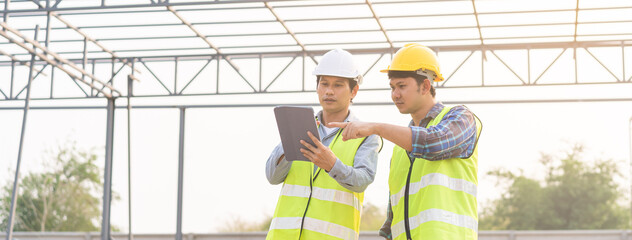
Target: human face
334,93
406,94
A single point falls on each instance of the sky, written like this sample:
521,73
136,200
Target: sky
226,148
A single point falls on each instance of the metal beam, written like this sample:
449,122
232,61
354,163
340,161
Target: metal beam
288,29
604,66
457,68
84,35
322,19
14,59
90,9
278,75
379,23
576,16
386,103
509,68
465,47
478,25
54,55
547,68
126,6
196,75
156,77
197,33
284,54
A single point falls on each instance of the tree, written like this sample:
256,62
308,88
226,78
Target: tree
372,217
63,198
574,195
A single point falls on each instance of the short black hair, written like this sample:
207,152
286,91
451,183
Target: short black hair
352,82
419,78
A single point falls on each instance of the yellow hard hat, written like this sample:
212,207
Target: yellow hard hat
417,58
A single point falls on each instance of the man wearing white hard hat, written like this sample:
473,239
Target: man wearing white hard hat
322,199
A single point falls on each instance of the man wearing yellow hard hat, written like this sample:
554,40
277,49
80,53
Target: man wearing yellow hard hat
322,198
433,174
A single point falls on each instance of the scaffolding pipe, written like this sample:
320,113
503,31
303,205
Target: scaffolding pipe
16,180
107,175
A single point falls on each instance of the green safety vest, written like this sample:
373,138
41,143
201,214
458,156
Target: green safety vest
434,199
313,205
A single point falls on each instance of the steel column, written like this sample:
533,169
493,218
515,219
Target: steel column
630,146
130,90
16,183
575,61
107,175
482,65
180,175
6,10
528,65
175,76
623,60
52,79
260,71
84,62
303,74
48,27
12,76
219,59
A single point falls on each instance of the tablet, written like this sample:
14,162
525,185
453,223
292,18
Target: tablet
293,123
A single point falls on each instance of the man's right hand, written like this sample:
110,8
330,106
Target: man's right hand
353,130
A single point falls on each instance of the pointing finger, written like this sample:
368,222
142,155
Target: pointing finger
337,124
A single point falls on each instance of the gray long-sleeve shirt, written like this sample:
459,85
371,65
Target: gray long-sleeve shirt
355,178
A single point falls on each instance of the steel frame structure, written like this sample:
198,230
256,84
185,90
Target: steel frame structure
41,54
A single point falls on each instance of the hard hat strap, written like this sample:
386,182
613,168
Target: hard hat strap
426,73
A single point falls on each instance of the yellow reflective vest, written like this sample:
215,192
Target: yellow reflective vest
434,199
313,205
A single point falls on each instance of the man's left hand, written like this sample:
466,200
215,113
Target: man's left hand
320,155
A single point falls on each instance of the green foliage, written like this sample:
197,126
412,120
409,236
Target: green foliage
574,195
372,217
63,198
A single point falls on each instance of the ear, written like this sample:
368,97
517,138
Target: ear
427,84
355,91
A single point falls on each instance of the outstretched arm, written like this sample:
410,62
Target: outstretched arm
401,136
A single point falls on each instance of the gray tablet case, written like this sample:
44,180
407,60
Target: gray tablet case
293,124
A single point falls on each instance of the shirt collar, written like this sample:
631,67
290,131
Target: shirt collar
351,117
433,113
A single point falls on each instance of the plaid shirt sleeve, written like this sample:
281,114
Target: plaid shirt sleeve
453,137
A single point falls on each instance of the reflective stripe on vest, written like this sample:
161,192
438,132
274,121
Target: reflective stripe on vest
315,225
436,215
332,195
436,179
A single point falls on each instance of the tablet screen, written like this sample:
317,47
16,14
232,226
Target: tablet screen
293,123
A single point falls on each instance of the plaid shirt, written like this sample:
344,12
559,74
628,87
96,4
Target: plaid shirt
453,137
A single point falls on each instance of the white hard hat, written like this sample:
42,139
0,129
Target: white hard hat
338,63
